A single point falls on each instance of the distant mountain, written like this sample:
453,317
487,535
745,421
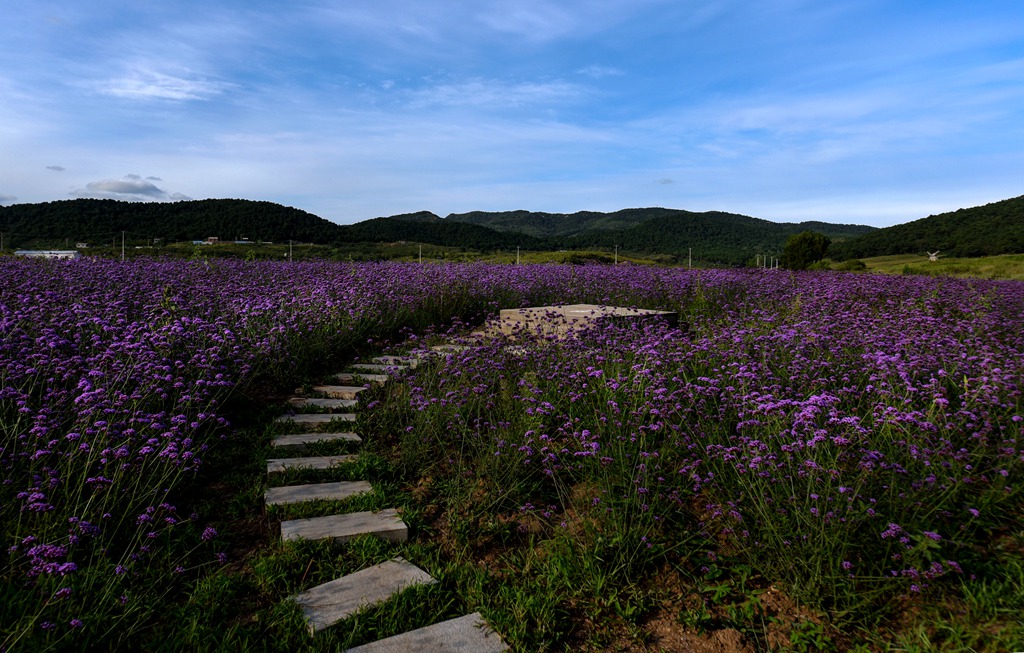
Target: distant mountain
546,225
714,236
725,238
426,227
996,228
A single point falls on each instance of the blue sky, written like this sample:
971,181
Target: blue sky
840,110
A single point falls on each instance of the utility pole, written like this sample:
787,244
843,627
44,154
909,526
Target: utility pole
122,245
689,260
517,256
421,254
616,255
291,258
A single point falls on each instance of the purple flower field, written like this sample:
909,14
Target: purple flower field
830,428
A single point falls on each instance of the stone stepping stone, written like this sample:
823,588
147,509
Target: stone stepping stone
339,391
330,404
327,604
310,438
450,349
462,635
279,496
377,367
315,419
398,361
311,462
386,524
355,377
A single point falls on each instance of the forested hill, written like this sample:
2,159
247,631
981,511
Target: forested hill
996,228
102,221
590,225
98,221
547,225
725,238
428,228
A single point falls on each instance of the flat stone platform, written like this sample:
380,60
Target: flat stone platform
386,524
560,319
327,604
469,634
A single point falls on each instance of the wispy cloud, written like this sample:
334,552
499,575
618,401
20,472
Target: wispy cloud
56,168
598,72
154,85
489,93
8,199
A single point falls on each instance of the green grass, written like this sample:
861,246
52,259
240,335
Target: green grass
1007,266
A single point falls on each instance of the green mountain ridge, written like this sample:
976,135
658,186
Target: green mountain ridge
713,236
988,230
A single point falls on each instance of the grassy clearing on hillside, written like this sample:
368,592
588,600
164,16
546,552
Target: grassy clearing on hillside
1007,266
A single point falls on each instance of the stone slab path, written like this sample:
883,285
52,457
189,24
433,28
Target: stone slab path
327,604
316,419
340,391
277,496
319,402
468,634
310,462
336,600
310,438
386,524
355,377
410,362
378,367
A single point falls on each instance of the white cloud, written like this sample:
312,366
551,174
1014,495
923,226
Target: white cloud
533,20
597,72
8,199
495,94
131,188
153,85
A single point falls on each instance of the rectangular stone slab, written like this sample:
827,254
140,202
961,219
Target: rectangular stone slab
469,634
355,377
311,462
402,361
450,349
310,438
330,404
279,496
377,367
327,604
386,524
339,391
316,419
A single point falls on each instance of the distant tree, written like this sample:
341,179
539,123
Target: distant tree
803,249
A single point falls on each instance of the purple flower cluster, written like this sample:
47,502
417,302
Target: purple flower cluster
823,424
